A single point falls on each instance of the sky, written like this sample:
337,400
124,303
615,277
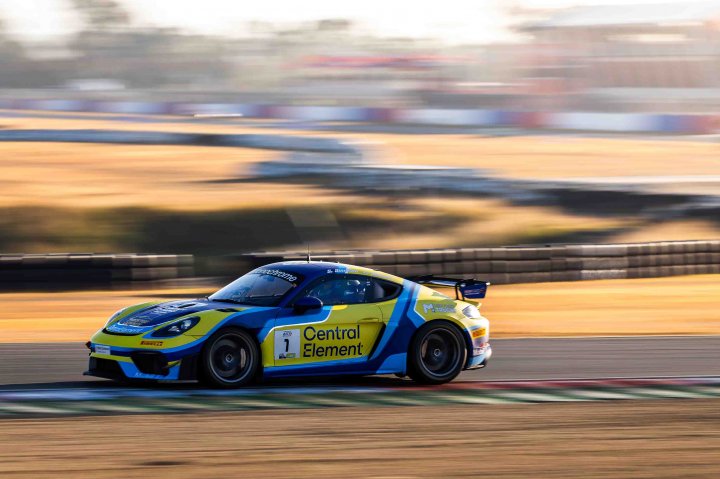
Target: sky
455,21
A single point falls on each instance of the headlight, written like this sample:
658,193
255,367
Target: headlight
176,328
114,317
471,312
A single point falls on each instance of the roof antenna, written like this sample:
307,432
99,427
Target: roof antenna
308,253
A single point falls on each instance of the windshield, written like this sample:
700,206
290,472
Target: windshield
264,287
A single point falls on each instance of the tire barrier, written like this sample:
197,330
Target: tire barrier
83,271
528,264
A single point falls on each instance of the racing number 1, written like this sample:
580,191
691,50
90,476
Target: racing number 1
287,344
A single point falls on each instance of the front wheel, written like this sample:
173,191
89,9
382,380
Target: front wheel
437,353
230,359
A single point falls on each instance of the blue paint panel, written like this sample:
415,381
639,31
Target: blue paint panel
339,366
133,372
281,321
404,302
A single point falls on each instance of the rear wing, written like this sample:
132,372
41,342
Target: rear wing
469,288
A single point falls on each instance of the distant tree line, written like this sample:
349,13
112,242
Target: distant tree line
110,47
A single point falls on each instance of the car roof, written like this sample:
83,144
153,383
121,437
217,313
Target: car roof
310,269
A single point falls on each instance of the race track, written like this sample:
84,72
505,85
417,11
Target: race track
60,365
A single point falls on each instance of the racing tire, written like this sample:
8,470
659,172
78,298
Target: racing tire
437,353
229,359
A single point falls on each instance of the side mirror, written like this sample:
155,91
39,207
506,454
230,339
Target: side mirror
308,303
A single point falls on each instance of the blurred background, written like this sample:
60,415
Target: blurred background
152,150
346,125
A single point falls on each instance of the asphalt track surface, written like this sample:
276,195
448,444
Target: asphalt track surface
60,365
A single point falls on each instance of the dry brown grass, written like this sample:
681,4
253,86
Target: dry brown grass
671,230
559,156
487,222
660,306
513,156
176,178
168,177
667,306
620,439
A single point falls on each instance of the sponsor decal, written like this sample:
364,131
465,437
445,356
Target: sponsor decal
279,274
312,350
102,349
287,344
318,343
337,270
122,329
315,339
479,332
438,308
151,343
470,293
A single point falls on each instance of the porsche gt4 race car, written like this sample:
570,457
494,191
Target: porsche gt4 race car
298,318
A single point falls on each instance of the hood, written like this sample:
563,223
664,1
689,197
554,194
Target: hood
146,319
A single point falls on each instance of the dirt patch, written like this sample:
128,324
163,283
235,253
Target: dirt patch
628,439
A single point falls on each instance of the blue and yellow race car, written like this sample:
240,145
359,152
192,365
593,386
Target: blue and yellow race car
300,318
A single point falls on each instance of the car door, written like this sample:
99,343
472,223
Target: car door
346,328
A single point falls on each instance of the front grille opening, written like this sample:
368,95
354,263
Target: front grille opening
150,362
106,366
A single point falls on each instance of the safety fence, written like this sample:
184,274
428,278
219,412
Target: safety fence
529,264
80,271
448,117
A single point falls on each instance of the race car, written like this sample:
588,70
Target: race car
299,318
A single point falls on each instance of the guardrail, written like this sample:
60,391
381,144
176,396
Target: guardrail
529,264
77,270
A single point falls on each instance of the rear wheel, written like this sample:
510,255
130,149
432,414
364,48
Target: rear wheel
437,353
230,359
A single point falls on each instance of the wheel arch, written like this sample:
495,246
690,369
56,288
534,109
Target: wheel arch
252,334
454,322
464,332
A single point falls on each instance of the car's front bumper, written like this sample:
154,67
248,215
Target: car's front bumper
150,365
139,357
480,360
